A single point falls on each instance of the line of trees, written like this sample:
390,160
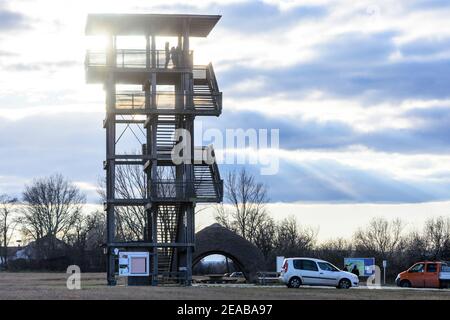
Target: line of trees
50,217
8,225
388,240
246,214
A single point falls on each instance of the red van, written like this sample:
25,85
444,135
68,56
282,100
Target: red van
425,274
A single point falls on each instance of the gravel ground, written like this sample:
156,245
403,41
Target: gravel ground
53,286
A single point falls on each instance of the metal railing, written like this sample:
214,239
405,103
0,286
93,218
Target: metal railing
211,77
131,58
208,157
137,58
199,72
167,100
95,59
207,74
170,190
130,100
208,191
170,100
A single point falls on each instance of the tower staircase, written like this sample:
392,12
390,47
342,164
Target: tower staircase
206,97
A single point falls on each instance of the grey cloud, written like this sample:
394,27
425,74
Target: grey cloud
10,20
329,181
4,53
72,144
40,66
355,66
429,135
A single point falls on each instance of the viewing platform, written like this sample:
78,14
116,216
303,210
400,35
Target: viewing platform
138,59
205,103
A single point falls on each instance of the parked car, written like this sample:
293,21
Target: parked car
425,274
308,271
237,275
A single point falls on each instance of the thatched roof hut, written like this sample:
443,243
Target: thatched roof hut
216,239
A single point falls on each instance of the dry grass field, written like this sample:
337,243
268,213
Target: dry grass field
53,286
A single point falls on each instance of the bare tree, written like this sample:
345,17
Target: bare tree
88,231
52,206
130,184
86,239
96,229
338,244
248,200
8,223
293,240
265,237
416,248
334,250
436,236
131,221
380,236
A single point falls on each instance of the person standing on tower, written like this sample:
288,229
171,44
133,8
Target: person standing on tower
167,50
174,56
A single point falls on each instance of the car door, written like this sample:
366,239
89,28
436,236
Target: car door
431,275
328,274
310,272
416,275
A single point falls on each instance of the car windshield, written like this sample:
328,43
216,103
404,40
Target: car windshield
327,266
417,268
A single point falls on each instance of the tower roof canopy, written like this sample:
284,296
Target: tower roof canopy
158,24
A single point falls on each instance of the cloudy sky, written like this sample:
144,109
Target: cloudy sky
358,89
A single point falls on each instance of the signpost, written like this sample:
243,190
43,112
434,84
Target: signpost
134,264
365,266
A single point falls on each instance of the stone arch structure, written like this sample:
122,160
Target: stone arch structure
217,239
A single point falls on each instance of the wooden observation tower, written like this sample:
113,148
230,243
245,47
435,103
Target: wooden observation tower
169,91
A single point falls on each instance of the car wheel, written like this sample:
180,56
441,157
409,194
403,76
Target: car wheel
405,284
344,284
294,282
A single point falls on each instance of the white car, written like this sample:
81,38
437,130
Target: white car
314,272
